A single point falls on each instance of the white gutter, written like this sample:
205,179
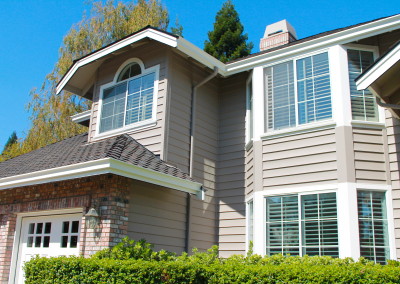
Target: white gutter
82,116
98,167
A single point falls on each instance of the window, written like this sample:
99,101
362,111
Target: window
373,226
363,105
302,224
297,92
129,101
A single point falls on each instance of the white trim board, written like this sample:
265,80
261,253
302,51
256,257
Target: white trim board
98,167
378,69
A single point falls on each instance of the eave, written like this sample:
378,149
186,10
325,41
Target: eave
98,167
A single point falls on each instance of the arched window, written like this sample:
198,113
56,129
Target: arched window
129,71
128,101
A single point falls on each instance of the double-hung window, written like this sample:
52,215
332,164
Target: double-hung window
297,92
363,105
129,101
373,225
302,224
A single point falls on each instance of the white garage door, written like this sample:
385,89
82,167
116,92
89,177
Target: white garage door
51,235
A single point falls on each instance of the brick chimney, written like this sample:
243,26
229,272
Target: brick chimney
277,34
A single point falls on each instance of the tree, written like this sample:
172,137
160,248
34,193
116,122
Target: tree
227,41
50,113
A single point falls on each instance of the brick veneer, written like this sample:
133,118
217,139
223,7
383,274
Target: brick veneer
107,193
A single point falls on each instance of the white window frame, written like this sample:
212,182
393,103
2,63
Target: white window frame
381,111
321,123
134,126
248,202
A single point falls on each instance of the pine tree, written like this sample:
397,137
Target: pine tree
11,140
227,41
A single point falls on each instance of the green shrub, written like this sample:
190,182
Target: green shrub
136,262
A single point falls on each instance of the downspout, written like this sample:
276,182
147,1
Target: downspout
384,105
191,155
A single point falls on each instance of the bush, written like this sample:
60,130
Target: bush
136,262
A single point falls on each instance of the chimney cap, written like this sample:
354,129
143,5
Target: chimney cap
278,27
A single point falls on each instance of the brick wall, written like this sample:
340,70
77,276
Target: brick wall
107,193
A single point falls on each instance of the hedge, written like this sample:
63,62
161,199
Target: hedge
117,266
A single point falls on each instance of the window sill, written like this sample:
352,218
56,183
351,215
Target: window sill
249,145
127,129
368,124
328,124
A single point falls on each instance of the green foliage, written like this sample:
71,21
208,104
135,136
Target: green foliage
107,22
136,262
227,41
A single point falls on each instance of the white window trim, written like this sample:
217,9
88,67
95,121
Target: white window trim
248,223
249,137
299,127
381,110
134,126
18,230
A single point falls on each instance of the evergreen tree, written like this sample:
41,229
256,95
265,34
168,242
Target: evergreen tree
107,22
11,140
227,41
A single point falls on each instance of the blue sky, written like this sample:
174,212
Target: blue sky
31,32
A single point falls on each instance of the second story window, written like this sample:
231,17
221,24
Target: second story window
363,105
297,92
129,101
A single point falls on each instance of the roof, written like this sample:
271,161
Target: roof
77,151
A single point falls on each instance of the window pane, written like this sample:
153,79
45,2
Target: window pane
373,228
75,227
47,228
113,108
39,228
46,241
65,228
31,228
131,70
363,105
30,242
313,88
279,96
64,241
74,242
38,241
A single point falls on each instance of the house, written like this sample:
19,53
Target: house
277,148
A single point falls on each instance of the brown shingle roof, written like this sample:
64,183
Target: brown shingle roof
76,150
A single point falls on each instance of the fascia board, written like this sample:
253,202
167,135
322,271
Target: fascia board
377,70
148,33
200,55
82,116
346,36
98,167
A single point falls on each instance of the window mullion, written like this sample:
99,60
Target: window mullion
126,102
296,101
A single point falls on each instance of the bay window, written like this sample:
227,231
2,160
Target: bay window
297,92
129,101
302,224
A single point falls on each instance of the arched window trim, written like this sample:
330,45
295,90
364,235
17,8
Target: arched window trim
126,63
134,126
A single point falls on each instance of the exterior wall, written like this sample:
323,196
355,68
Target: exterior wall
106,192
151,137
299,160
231,166
393,131
157,215
183,75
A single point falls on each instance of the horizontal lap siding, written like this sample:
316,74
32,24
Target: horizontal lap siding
369,155
157,215
393,132
150,137
182,75
231,166
300,160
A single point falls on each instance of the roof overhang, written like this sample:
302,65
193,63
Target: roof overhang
341,37
82,118
102,166
383,78
80,77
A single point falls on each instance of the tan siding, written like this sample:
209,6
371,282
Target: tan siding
182,76
393,132
301,159
231,166
150,137
158,215
369,155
